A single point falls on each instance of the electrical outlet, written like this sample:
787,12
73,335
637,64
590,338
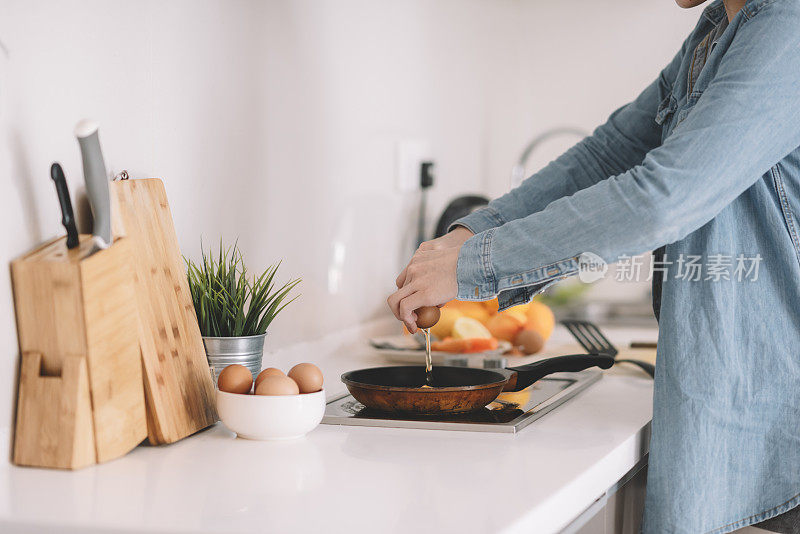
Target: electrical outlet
410,155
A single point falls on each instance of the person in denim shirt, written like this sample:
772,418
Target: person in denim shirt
704,163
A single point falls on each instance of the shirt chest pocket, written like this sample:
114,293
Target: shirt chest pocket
670,114
687,108
666,109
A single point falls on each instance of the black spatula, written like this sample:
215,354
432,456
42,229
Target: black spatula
592,340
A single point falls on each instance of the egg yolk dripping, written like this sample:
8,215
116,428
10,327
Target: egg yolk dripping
427,316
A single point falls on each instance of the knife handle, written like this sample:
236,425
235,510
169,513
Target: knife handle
94,172
67,217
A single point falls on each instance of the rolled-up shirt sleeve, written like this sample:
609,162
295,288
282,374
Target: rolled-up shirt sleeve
480,220
746,121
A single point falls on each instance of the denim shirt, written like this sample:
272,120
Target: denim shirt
703,164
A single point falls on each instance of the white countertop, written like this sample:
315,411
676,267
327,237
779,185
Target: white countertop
353,479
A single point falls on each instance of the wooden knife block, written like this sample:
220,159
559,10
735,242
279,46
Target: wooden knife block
81,395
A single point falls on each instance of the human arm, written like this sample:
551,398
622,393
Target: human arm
614,147
747,119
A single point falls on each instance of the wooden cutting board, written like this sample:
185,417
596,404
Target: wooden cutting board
178,387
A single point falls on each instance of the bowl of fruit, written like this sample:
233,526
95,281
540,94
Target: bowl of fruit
274,406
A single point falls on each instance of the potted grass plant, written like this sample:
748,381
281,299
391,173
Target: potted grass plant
234,311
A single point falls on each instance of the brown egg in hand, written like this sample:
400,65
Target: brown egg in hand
235,379
277,385
308,377
427,316
269,371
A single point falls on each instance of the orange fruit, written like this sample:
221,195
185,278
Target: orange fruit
517,312
540,319
491,305
505,326
476,310
444,328
521,307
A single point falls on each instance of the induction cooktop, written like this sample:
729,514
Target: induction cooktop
509,413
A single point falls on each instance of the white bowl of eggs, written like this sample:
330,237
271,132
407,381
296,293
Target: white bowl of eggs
281,406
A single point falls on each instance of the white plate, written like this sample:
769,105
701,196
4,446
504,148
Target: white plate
403,351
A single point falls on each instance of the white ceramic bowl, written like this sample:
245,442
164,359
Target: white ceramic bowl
271,417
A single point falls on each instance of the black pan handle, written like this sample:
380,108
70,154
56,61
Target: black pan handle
648,368
528,374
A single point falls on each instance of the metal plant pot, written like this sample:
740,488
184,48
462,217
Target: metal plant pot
224,351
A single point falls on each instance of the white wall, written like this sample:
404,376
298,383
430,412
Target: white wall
276,122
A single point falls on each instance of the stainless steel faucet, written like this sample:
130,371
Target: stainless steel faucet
518,171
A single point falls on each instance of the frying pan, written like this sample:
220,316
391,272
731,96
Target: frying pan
456,389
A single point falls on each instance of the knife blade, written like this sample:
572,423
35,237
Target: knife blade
96,177
67,217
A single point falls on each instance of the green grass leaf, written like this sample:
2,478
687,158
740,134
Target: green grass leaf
226,302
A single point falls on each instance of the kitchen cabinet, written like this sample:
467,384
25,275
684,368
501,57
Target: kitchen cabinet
619,510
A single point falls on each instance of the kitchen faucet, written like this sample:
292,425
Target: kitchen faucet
518,171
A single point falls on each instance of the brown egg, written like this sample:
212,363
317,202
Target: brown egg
427,316
308,377
530,341
269,371
277,385
235,379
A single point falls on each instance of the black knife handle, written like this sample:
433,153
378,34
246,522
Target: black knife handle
528,374
67,217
